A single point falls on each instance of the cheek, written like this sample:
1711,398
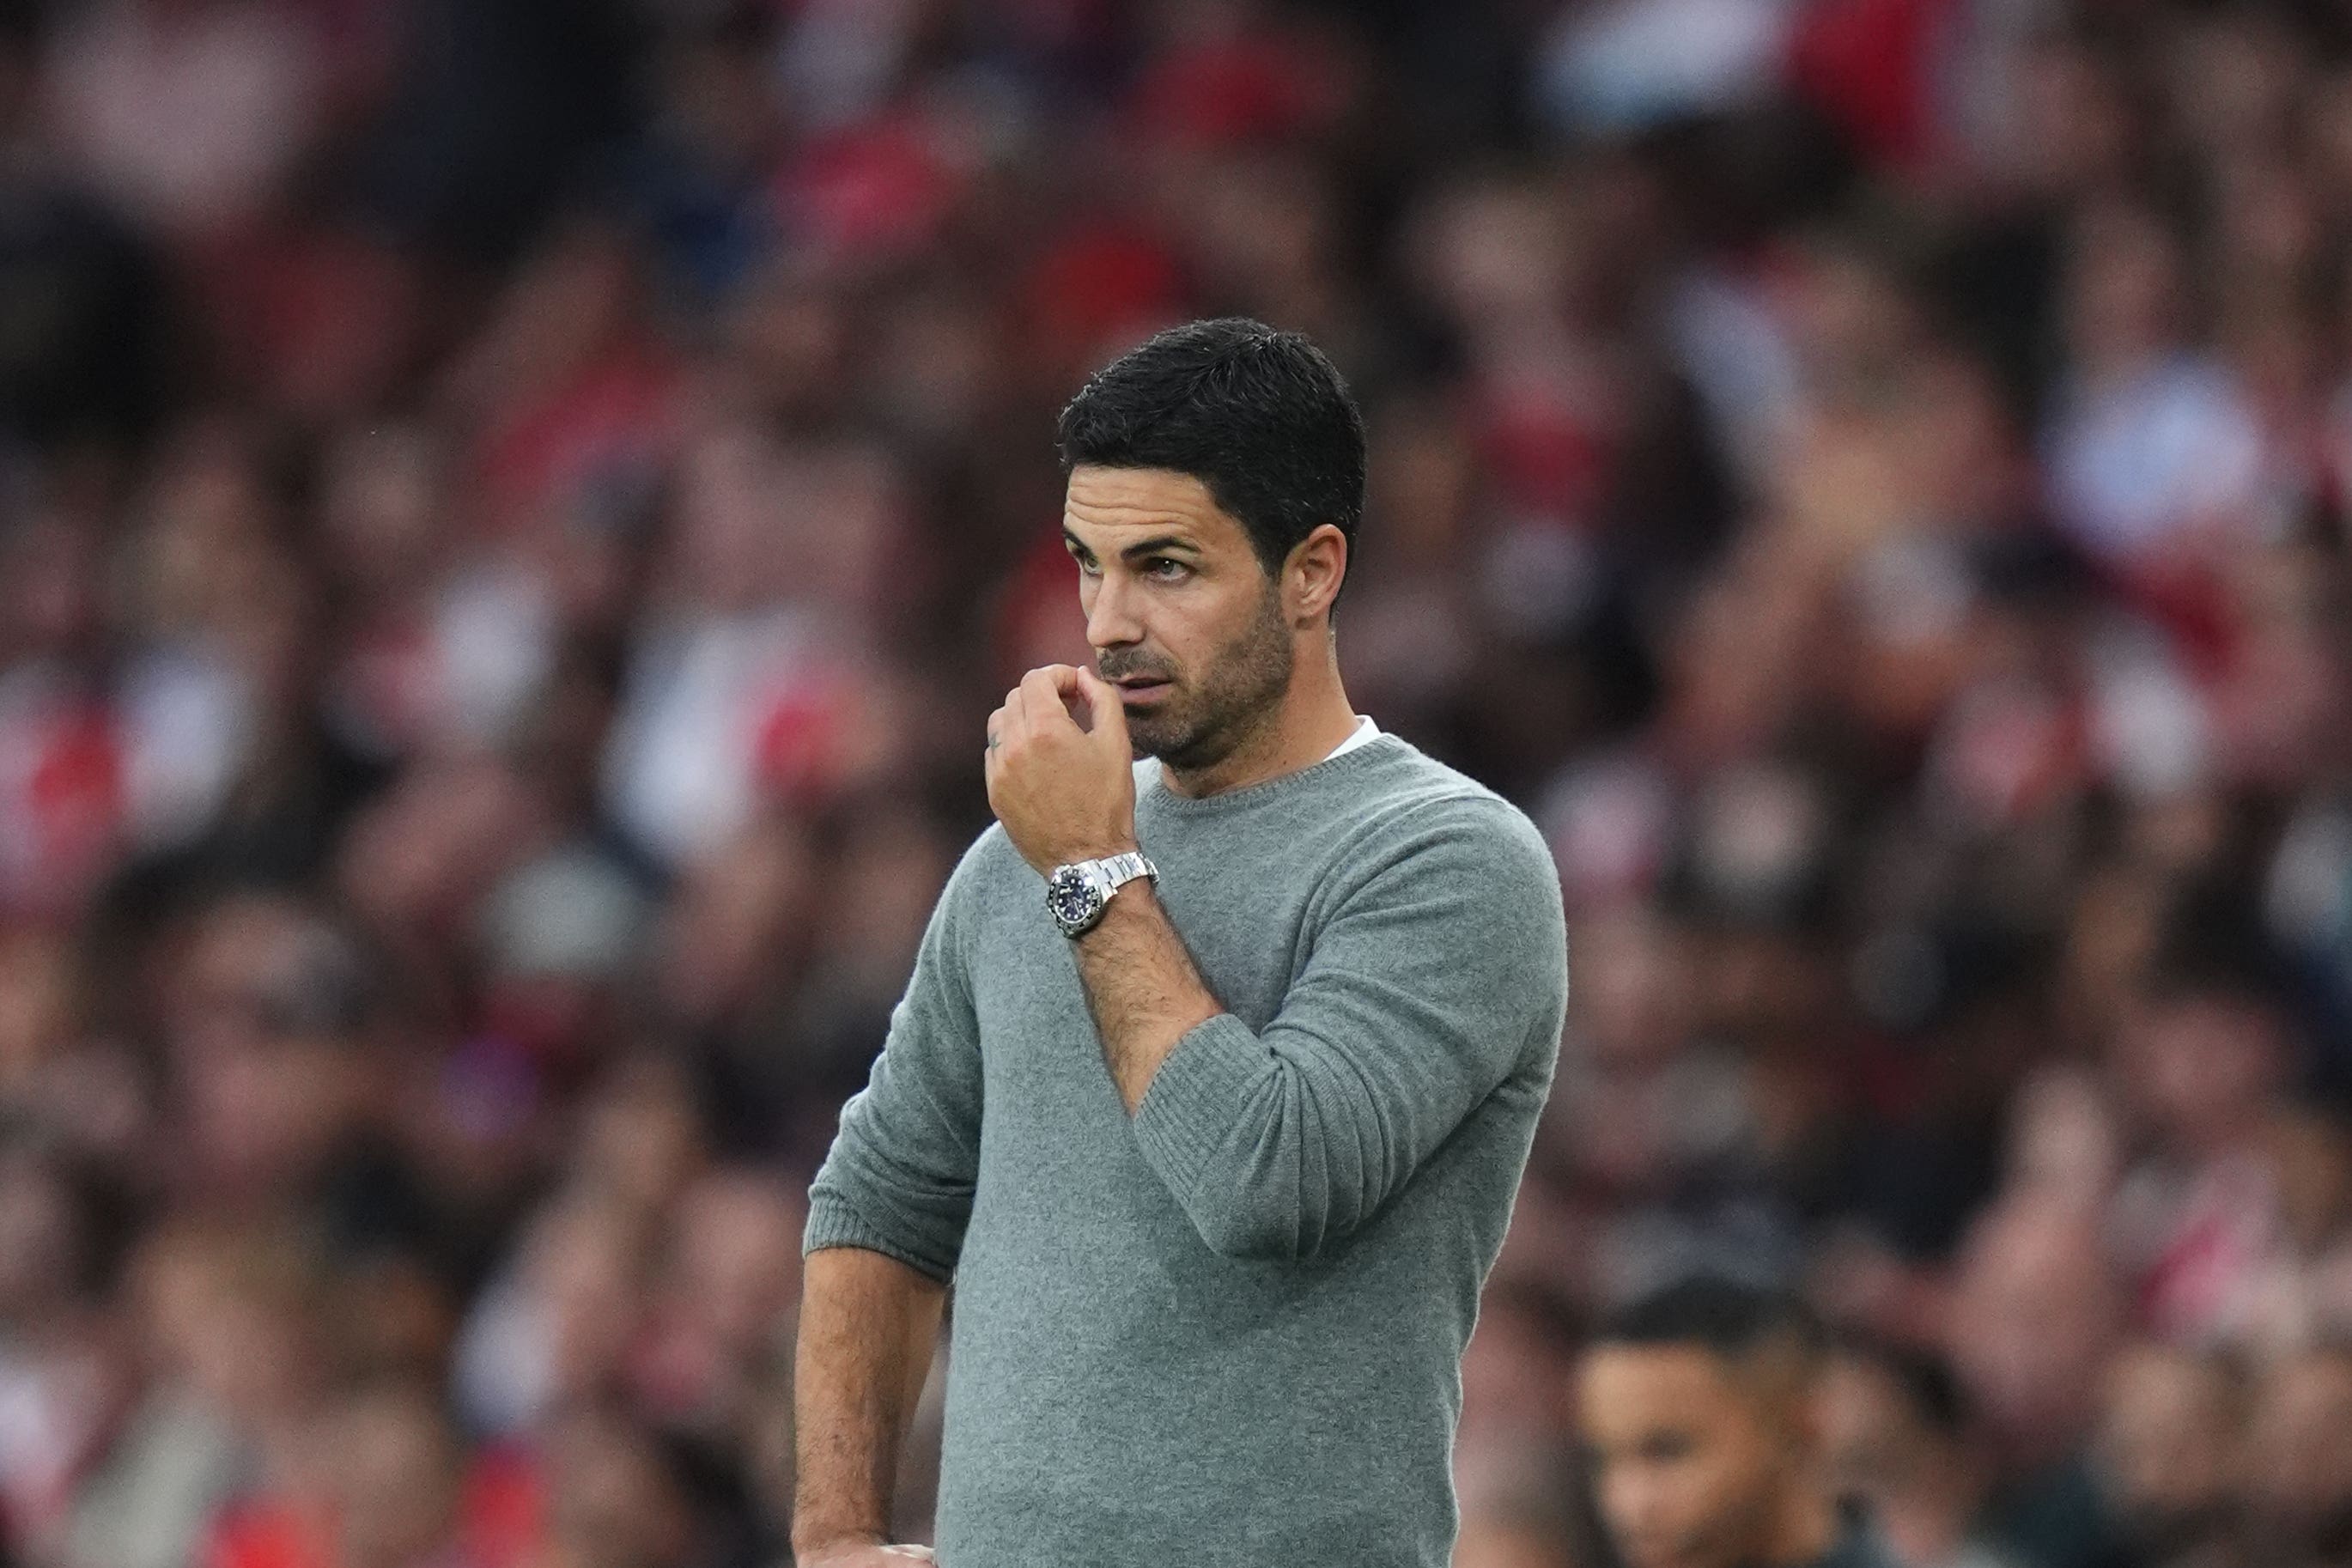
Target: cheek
1229,629
1699,1502
1175,639
1648,1496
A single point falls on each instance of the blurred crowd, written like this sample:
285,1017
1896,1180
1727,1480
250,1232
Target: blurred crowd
511,516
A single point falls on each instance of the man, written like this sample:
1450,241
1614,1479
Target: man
1698,1410
1217,1072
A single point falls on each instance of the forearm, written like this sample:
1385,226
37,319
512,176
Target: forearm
1145,992
867,1327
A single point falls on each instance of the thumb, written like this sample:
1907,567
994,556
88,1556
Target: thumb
1105,715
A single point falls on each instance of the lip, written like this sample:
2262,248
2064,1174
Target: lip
1132,691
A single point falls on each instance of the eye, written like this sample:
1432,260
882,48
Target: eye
1667,1447
1166,569
1087,565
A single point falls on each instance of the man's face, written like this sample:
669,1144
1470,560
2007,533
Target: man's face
1689,1464
1180,611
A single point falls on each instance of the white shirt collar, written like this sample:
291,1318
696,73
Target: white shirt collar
1363,735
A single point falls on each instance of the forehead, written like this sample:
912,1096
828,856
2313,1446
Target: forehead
1627,1387
1103,506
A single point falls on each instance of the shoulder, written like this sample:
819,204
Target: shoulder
991,854
1417,804
988,867
1423,834
988,878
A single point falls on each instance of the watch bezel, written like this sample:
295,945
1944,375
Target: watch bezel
1068,881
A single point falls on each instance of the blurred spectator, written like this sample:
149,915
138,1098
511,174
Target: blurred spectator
191,114
2036,1312
511,516
1900,1441
2171,1449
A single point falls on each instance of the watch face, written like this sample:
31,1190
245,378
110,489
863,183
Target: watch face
1072,897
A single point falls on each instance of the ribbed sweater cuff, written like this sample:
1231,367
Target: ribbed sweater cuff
833,1222
1196,1097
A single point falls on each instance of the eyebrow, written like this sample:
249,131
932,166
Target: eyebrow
1158,544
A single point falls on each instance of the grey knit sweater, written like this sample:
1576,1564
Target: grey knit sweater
1228,1330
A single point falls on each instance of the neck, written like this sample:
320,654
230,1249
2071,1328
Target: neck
1309,722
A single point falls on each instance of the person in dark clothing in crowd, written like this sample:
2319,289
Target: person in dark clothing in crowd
1699,1408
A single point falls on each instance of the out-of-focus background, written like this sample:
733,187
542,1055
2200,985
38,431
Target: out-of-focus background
512,514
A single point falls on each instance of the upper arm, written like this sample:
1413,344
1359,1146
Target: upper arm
1439,968
899,1177
1432,978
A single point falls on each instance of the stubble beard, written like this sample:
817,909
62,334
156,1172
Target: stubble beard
1231,702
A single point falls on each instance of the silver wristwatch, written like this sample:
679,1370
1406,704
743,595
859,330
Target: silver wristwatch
1077,895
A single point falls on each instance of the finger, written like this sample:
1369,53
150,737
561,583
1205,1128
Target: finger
1105,715
996,723
1069,686
1042,690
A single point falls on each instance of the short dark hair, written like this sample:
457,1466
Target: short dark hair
1260,417
1729,1317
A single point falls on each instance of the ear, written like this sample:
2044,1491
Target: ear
1787,1393
1312,576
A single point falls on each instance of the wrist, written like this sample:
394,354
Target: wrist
1078,894
813,1546
1105,849
1128,901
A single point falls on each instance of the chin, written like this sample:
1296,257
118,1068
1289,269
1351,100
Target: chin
1154,737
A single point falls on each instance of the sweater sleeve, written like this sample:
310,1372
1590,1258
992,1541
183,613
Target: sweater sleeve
899,1178
1439,967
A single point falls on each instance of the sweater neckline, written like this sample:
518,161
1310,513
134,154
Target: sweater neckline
1355,759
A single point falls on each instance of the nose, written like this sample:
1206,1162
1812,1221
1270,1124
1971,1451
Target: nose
1110,620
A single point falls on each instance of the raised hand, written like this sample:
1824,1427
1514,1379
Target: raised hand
1064,790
